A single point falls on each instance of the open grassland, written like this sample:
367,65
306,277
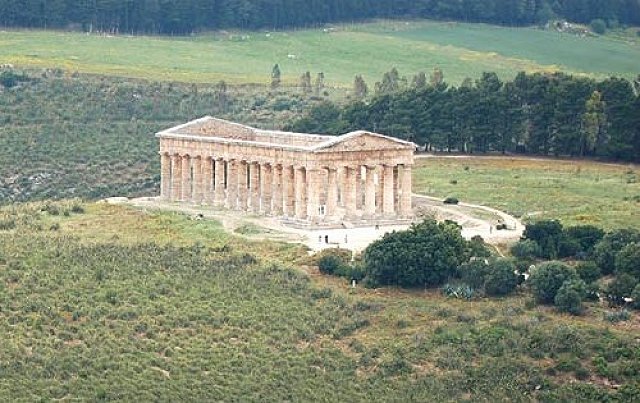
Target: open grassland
576,192
460,50
101,302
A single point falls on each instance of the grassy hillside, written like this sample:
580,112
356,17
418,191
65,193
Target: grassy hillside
93,137
158,307
576,192
460,50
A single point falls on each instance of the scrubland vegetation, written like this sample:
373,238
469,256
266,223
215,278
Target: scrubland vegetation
154,306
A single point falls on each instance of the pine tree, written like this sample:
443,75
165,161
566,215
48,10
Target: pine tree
319,84
437,77
360,89
305,82
419,80
594,123
275,77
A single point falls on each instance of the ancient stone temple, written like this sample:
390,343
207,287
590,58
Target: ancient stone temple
307,178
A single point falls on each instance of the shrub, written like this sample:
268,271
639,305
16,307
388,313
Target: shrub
461,291
425,255
570,296
617,316
635,295
620,288
501,278
628,260
587,236
473,273
588,271
451,200
598,26
605,251
526,249
547,279
547,234
330,264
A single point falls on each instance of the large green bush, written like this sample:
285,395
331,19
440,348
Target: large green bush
501,278
526,249
546,280
588,271
547,234
587,236
628,260
570,296
425,255
605,251
621,287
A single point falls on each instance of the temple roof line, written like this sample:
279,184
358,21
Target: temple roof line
214,130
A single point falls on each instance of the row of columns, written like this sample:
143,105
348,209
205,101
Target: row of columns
290,191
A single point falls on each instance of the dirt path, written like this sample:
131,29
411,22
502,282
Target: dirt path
475,220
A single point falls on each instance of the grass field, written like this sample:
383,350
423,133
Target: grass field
101,302
576,192
460,50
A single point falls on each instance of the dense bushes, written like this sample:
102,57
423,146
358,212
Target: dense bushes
546,280
570,296
549,240
425,255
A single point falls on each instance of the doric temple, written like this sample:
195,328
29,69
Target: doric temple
308,178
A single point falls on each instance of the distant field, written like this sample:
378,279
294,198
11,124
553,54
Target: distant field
576,192
460,50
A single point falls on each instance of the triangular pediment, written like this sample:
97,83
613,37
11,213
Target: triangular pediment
363,141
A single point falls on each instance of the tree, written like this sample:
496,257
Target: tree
437,77
628,260
570,296
594,124
589,272
587,236
360,88
546,280
620,288
501,278
305,82
526,249
419,80
598,26
275,77
605,251
319,84
547,234
426,254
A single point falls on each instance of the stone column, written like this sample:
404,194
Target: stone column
208,174
176,177
276,190
301,193
266,187
165,176
218,193
231,201
288,193
243,189
379,188
198,183
388,196
405,189
254,186
186,178
350,191
332,193
313,179
370,193
359,190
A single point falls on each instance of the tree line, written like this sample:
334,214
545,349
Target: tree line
545,114
187,16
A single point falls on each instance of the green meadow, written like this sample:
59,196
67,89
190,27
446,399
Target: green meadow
460,50
575,192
